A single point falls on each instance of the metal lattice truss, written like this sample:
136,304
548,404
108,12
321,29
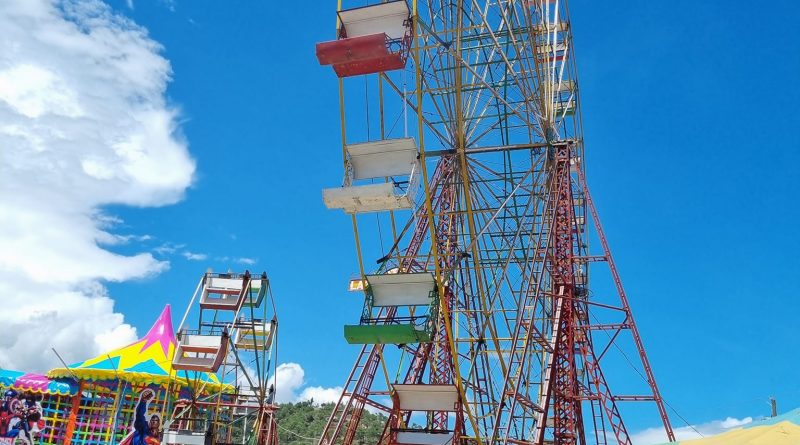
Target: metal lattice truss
232,338
505,224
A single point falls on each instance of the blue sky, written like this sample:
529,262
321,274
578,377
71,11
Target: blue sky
692,144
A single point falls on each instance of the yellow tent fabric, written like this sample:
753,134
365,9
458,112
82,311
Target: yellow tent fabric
780,430
781,433
146,361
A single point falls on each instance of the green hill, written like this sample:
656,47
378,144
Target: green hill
302,424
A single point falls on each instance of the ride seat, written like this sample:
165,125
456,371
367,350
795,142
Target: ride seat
372,39
425,397
223,293
203,353
255,336
419,437
401,289
377,160
396,290
183,437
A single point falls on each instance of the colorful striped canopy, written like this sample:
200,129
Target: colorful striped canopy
780,430
24,382
146,361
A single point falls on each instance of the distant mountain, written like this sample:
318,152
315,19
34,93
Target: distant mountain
302,424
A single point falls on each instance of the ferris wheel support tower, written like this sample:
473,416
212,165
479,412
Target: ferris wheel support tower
480,324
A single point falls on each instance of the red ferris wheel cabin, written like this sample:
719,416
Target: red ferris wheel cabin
372,39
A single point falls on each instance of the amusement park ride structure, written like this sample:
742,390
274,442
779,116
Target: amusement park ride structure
480,323
232,338
208,385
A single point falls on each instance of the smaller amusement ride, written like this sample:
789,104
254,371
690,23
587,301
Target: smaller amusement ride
209,384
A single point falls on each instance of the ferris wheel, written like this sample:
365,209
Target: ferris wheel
232,339
463,168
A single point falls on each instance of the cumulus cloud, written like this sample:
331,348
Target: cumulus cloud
83,124
290,387
652,436
289,377
320,394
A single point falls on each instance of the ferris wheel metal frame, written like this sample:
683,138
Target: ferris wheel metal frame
504,224
234,338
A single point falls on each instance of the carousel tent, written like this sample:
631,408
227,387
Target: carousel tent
36,383
147,361
57,397
109,387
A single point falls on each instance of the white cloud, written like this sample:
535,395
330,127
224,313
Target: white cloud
240,260
83,124
320,395
290,387
289,377
113,239
168,248
656,435
191,256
